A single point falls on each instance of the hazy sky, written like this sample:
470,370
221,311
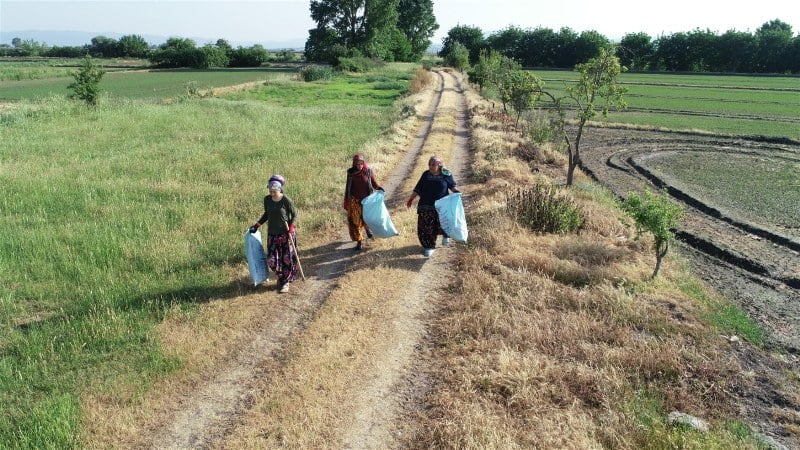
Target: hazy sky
280,20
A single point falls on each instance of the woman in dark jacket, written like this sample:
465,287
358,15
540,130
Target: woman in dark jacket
432,185
360,184
280,215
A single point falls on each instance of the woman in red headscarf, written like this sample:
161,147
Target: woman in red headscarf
360,183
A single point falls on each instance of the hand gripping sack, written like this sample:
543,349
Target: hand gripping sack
451,216
256,258
377,216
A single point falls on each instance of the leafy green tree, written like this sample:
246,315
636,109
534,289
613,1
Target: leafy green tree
470,37
30,47
596,88
104,47
565,48
457,56
501,76
735,52
353,24
588,45
480,73
702,49
773,38
323,45
539,48
213,56
524,89
418,23
87,82
248,57
16,42
635,50
656,214
507,42
133,45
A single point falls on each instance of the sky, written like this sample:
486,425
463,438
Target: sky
288,20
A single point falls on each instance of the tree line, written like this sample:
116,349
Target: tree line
175,52
772,48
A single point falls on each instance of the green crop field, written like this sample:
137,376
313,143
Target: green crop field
113,215
17,69
741,105
143,84
757,188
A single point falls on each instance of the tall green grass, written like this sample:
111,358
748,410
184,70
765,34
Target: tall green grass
114,214
143,84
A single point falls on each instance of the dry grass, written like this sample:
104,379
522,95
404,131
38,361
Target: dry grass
549,339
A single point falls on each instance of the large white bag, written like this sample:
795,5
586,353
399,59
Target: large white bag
451,216
376,215
256,258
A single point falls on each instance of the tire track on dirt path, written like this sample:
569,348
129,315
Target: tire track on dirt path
206,414
395,387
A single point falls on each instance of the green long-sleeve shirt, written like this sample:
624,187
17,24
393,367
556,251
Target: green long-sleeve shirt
276,213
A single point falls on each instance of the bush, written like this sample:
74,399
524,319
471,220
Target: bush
314,72
286,55
421,79
358,64
390,85
253,56
87,81
657,214
545,209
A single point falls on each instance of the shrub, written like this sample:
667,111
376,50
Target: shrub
87,81
545,209
314,72
657,214
358,64
390,85
422,78
285,55
253,56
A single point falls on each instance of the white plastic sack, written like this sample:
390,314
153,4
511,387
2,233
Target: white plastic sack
256,258
377,216
451,216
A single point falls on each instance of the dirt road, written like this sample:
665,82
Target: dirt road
226,407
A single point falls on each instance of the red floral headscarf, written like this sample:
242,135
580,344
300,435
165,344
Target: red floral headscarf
359,157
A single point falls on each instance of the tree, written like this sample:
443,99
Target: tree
417,22
597,84
657,214
87,80
774,39
507,42
635,51
469,36
565,48
457,56
134,46
105,47
588,45
539,47
524,89
735,52
16,42
353,24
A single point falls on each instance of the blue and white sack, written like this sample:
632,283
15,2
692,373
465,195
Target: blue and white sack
376,215
256,258
451,216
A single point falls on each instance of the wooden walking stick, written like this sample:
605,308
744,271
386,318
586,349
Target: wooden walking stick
291,242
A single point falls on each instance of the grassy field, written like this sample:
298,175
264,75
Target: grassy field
17,69
143,84
759,189
742,105
113,215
